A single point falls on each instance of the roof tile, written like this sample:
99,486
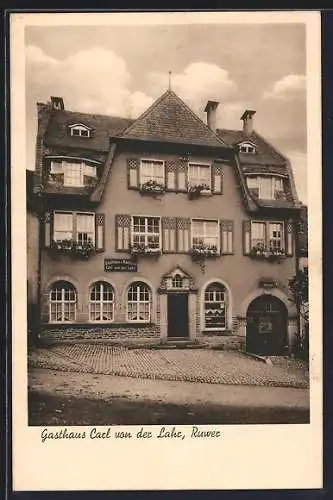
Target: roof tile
169,119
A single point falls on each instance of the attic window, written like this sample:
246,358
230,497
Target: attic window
246,147
266,187
79,130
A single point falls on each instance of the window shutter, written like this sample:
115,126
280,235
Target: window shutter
182,176
170,169
47,230
183,234
100,232
227,236
217,187
133,166
289,238
246,237
169,234
123,224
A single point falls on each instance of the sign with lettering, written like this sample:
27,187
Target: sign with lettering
120,265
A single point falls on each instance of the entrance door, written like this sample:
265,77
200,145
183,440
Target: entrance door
266,331
177,315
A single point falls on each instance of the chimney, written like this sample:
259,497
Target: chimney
210,109
248,121
57,103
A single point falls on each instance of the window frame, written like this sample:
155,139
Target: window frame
138,302
202,219
151,160
247,145
81,163
101,302
272,177
146,233
81,128
62,302
226,302
199,164
267,232
74,224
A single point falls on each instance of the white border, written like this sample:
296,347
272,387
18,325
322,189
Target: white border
232,462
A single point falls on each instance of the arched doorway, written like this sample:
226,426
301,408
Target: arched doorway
266,330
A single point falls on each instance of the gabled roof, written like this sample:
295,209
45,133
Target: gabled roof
102,128
169,119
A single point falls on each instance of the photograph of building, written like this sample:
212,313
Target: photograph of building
164,228
172,217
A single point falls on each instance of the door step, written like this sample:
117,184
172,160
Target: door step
182,343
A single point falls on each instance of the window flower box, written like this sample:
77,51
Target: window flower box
152,187
195,190
144,250
201,252
261,252
73,248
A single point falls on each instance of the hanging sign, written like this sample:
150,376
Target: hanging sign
120,265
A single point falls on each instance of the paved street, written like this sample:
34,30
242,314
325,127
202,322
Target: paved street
192,365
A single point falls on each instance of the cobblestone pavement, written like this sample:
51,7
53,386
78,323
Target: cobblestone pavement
193,365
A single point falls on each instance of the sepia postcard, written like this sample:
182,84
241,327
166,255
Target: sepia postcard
166,250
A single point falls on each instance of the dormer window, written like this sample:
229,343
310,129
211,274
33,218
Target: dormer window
266,187
74,172
79,130
246,147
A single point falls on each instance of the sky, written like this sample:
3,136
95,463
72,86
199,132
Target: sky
121,70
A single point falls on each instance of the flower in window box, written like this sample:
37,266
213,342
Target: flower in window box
195,190
74,248
152,187
56,179
84,249
269,253
201,251
142,249
279,194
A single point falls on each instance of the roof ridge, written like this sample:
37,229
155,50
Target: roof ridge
99,115
198,118
182,103
144,114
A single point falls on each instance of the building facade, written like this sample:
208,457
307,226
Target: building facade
164,229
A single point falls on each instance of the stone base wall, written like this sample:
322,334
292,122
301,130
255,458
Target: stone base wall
131,336
117,333
225,342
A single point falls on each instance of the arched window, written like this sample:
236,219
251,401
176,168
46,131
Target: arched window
62,302
101,302
139,302
215,307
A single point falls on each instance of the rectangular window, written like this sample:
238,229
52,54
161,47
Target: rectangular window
200,174
252,182
205,232
275,235
85,227
79,227
258,234
268,235
62,226
268,187
146,231
74,172
152,170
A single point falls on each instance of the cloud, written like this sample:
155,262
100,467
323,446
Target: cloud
288,88
92,81
198,83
